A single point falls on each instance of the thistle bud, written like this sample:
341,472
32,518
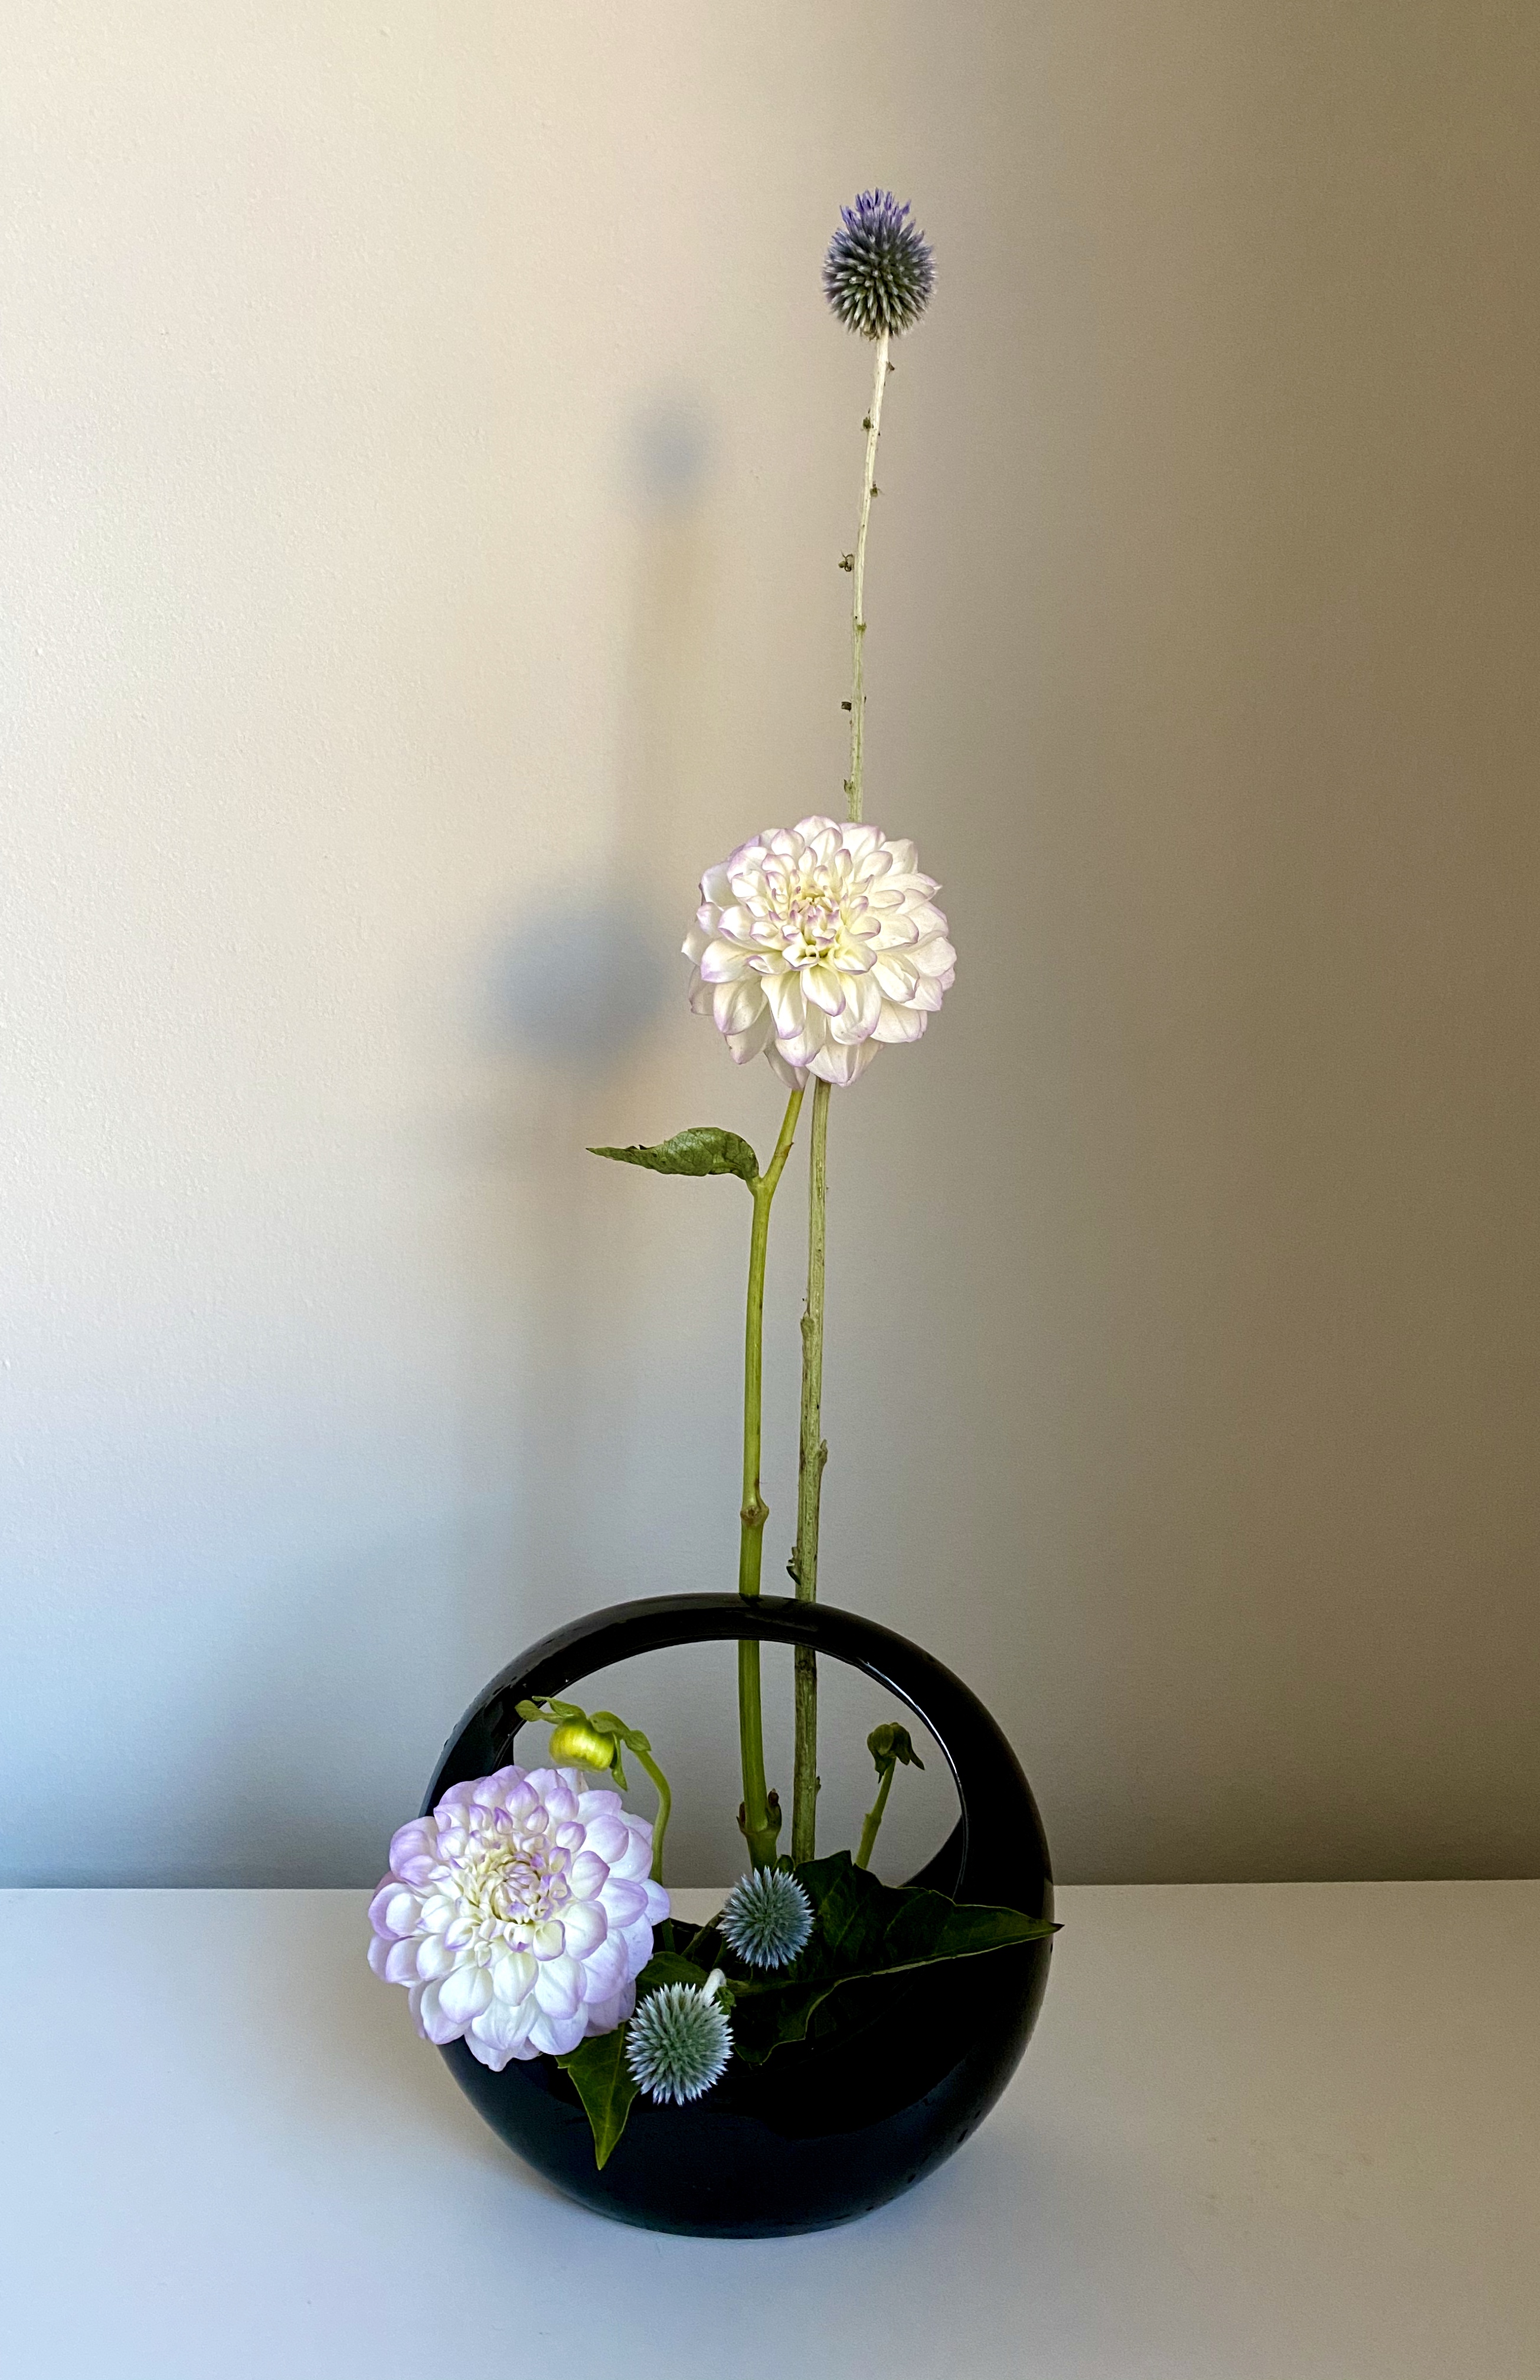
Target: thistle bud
879,273
575,1744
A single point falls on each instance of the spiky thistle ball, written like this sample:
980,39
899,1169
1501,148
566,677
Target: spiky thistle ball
679,2041
878,273
767,1918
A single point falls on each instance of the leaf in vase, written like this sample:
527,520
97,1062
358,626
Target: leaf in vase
605,2084
863,1929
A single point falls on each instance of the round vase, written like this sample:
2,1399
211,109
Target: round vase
827,2132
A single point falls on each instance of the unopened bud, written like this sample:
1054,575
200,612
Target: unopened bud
575,1744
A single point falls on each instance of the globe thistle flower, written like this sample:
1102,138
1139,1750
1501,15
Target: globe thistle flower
879,273
518,1916
679,2041
815,945
766,1919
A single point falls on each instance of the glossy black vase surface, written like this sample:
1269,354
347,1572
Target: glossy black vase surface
830,2129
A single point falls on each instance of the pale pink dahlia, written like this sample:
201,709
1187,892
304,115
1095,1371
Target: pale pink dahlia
814,945
519,1914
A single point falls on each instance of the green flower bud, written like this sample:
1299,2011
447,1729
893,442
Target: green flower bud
575,1744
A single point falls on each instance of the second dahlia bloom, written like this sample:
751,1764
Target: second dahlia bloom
815,945
519,1914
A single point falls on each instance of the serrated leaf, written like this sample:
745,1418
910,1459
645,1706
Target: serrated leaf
701,1149
862,1929
606,2086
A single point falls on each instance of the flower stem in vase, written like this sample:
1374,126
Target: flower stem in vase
811,1457
873,426
760,1815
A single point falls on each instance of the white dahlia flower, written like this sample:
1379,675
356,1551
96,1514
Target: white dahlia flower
815,944
520,1916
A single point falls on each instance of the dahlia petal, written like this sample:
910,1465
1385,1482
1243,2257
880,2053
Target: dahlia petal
863,1003
558,1987
749,1045
736,1006
416,1840
434,2024
604,2015
639,1945
822,984
623,1900
794,1077
722,962
609,1841
589,1874
787,1005
637,1857
465,1994
935,957
839,1063
434,1957
547,1941
379,1953
557,2037
512,1975
897,1023
583,1927
607,1969
895,978
399,1963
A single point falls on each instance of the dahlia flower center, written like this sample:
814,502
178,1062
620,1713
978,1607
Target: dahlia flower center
813,924
512,1883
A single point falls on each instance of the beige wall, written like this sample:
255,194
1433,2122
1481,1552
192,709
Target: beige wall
427,457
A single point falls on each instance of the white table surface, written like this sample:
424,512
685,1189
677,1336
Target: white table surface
1264,2131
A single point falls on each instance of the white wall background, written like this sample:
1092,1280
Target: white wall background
427,457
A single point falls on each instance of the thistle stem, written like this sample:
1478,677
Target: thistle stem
859,592
760,1819
873,1819
812,1454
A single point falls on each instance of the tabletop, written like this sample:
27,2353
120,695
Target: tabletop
1262,2132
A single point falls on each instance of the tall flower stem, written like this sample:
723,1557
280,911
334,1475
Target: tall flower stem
761,1818
858,593
812,1454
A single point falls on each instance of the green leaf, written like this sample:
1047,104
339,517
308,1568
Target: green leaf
605,2086
863,1930
700,1149
667,1967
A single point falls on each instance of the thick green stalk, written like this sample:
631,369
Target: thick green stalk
812,1454
761,1816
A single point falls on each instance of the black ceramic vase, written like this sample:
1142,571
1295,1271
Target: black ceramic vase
821,2133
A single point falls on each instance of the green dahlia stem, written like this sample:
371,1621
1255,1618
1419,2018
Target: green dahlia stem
874,1820
812,1454
761,1818
665,1804
858,592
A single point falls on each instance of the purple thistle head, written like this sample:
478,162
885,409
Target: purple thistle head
878,273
